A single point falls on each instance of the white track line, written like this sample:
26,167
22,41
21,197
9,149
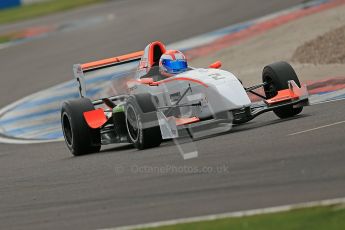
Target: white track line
234,214
10,140
317,128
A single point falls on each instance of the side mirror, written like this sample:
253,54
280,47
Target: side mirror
215,65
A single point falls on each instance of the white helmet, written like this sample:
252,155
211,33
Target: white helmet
172,62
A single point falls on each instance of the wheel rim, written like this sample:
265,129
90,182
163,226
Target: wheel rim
132,123
67,129
270,89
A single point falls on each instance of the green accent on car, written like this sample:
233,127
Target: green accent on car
119,109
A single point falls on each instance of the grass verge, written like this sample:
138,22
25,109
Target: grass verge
319,218
40,9
4,39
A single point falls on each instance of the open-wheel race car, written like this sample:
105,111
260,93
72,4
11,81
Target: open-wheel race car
148,106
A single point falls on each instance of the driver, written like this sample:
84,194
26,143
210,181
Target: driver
172,62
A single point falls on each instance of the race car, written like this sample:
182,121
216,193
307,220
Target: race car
147,108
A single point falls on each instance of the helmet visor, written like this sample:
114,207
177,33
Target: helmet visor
175,66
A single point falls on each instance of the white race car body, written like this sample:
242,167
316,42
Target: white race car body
217,90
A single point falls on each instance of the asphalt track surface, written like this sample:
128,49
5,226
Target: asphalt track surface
42,186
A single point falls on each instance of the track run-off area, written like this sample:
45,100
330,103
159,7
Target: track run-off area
267,162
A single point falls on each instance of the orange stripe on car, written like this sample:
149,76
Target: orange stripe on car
112,60
181,79
186,120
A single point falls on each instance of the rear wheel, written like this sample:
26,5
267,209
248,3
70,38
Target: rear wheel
140,109
79,137
277,76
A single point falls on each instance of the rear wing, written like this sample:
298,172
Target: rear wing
80,70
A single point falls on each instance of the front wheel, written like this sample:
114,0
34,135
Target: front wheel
138,109
277,76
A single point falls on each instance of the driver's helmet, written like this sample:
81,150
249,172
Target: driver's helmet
172,62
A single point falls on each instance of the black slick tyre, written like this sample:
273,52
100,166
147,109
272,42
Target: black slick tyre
139,107
79,137
277,76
